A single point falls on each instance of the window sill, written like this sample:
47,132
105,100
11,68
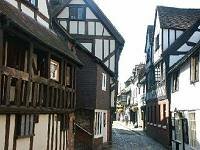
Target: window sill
193,82
25,136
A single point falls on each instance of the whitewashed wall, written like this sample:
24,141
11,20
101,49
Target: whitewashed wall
42,7
187,97
2,130
40,140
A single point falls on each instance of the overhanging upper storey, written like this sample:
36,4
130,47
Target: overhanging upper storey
169,24
85,22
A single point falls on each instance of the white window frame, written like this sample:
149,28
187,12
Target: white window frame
98,124
104,81
57,70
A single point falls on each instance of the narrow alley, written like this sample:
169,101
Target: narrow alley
128,138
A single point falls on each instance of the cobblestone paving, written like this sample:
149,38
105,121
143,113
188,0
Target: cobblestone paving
125,138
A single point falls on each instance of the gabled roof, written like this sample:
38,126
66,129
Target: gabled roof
106,22
187,44
177,18
33,28
149,35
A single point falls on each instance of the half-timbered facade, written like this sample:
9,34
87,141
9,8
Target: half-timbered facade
169,25
37,80
86,23
183,58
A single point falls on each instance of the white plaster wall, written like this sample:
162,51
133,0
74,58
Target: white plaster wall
112,45
13,2
41,131
178,33
2,130
112,63
106,48
73,27
11,133
195,37
63,24
91,28
88,46
107,63
77,2
90,14
172,36
106,32
98,48
42,22
42,6
99,28
81,27
23,144
165,39
173,59
187,97
64,13
184,48
27,11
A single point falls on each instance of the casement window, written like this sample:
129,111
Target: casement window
194,68
157,44
192,130
33,2
25,125
98,124
175,81
54,70
69,75
77,13
104,79
157,73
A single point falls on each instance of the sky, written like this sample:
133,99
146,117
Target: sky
131,18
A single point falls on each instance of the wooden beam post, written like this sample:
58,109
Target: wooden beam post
30,60
1,61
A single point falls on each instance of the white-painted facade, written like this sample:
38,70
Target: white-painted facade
103,42
31,12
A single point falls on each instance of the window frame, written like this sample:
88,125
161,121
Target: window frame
175,81
194,68
21,125
76,13
157,42
58,72
104,81
30,2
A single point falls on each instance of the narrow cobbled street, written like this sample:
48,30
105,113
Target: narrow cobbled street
125,137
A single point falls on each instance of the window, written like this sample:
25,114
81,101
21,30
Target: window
25,125
69,75
157,45
33,2
194,69
54,70
98,124
164,111
158,73
77,13
175,81
104,81
192,130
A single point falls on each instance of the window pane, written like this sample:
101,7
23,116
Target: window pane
73,13
80,13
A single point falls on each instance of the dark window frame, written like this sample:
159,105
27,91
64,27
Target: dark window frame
33,2
157,42
194,68
75,10
175,81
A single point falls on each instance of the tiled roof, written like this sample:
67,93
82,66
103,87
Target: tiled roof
150,29
177,18
36,30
